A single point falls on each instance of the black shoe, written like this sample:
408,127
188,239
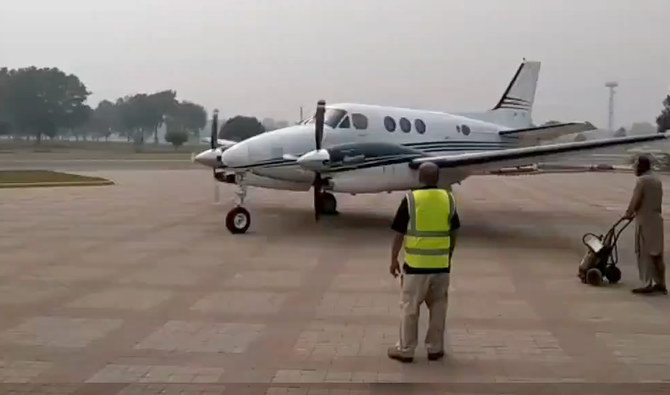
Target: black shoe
434,356
661,289
394,353
644,290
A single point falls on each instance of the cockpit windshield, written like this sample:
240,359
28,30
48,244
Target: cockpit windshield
332,117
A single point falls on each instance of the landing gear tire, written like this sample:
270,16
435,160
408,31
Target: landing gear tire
238,220
328,204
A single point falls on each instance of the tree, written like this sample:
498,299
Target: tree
144,113
5,125
240,128
43,101
176,137
268,124
5,128
104,120
160,104
193,117
663,120
138,116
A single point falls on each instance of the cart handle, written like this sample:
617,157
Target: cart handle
629,220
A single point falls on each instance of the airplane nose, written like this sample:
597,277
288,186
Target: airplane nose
207,158
236,156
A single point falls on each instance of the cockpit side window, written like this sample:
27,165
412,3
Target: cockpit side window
332,117
360,121
345,124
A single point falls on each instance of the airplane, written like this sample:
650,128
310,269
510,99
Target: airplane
361,148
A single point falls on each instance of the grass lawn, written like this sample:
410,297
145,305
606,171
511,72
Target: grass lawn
23,178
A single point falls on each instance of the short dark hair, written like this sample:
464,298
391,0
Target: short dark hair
643,162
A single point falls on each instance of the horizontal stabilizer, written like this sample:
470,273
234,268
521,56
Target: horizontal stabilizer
549,131
491,160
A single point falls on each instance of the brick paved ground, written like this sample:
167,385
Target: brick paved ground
140,286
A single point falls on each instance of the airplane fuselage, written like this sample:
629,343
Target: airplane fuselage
384,134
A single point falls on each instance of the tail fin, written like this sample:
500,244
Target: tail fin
515,107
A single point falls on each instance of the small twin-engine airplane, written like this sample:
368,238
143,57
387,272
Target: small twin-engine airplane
358,148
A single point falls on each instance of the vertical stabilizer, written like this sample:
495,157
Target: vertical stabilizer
515,107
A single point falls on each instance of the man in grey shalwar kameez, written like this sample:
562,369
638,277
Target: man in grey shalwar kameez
645,207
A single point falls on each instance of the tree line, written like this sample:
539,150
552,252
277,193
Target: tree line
47,102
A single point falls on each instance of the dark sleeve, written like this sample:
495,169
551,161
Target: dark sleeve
401,218
455,221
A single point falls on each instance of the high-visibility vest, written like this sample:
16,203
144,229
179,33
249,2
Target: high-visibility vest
427,241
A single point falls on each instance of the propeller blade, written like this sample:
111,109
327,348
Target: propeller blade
317,197
318,124
318,136
215,130
213,137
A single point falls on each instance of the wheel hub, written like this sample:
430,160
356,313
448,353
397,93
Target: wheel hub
240,220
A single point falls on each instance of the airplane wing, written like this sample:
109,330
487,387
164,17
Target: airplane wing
494,160
548,131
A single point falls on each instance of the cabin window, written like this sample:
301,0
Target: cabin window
345,124
465,129
360,121
420,126
389,124
405,125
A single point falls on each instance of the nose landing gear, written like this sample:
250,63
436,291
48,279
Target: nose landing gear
238,219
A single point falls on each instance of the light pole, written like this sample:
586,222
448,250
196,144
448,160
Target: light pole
611,86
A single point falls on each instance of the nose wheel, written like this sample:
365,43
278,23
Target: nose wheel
238,220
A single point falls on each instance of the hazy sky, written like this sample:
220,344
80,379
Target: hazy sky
267,58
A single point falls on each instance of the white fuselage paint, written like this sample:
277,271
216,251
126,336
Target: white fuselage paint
444,134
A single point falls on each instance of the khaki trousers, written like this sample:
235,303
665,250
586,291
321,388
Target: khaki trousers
416,289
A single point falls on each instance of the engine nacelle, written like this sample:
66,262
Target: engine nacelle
254,180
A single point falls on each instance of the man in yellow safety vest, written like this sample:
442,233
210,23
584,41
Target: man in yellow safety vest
426,222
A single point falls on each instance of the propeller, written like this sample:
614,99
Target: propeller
318,134
214,135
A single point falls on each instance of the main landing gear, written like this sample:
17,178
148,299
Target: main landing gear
328,204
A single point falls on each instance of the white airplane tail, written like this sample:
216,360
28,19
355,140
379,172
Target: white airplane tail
515,107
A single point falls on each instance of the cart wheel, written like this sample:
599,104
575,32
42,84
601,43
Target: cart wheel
594,277
613,274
